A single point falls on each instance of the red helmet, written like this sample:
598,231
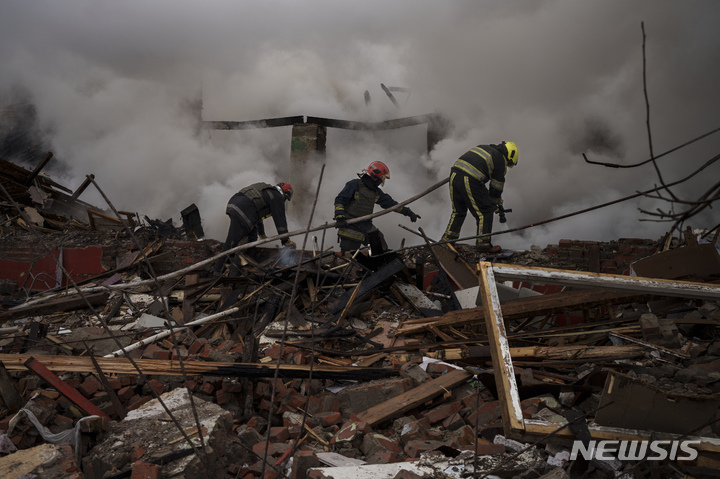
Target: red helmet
378,171
286,190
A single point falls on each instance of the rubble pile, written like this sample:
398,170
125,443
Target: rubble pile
432,361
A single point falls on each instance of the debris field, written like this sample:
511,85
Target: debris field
123,356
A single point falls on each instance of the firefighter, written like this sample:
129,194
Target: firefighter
357,199
247,209
468,191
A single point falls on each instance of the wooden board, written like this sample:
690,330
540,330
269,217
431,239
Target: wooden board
396,406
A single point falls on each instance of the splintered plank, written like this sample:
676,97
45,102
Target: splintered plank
55,306
83,364
398,405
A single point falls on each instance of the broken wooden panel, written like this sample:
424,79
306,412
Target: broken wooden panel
683,289
631,404
698,261
418,300
529,429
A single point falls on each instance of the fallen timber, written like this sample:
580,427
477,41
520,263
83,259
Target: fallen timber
16,362
533,306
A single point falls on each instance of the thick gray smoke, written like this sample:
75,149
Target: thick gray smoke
113,86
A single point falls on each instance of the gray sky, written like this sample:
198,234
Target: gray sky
111,81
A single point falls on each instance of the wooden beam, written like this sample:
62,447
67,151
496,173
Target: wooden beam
664,287
503,370
58,305
70,393
415,397
83,364
543,352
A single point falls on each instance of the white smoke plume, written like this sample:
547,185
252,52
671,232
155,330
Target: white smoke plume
111,83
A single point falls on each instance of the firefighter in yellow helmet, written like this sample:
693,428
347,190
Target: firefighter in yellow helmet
480,166
358,198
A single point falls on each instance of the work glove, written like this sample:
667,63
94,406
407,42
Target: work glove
411,214
290,244
340,222
262,237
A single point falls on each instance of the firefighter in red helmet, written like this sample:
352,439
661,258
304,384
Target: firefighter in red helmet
247,209
357,199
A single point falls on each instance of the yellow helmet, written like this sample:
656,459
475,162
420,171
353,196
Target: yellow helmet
511,157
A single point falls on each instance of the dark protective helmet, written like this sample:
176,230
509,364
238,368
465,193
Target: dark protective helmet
511,157
286,189
378,171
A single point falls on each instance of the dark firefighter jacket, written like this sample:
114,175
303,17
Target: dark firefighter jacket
485,163
267,200
358,198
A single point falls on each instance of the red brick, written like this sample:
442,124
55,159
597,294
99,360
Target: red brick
302,461
197,345
279,434
144,470
441,412
150,350
115,384
89,387
207,388
162,354
329,418
125,393
157,386
137,453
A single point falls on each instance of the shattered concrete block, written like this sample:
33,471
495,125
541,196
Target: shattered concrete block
147,427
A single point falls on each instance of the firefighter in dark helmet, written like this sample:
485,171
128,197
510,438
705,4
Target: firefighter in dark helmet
358,198
469,175
247,209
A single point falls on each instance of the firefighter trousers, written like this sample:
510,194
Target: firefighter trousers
467,193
